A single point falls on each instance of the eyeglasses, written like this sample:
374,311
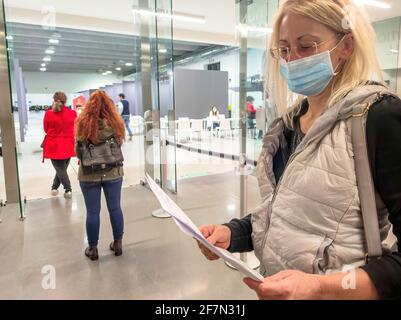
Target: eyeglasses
306,49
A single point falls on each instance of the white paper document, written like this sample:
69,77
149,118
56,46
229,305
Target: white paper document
190,229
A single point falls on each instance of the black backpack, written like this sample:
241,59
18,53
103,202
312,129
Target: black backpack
99,157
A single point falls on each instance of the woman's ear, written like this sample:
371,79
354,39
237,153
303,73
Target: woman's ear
348,46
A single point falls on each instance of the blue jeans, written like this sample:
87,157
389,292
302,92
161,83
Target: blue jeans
126,121
92,194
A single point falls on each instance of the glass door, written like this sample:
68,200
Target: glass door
155,69
164,78
254,20
10,192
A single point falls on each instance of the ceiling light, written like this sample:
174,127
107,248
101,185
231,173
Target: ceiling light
9,49
129,64
118,69
9,38
174,16
373,3
43,65
163,50
47,59
393,51
56,35
43,69
49,51
54,41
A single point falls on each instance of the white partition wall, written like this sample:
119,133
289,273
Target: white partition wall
117,89
197,91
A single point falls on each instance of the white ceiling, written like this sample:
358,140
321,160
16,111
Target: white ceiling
377,14
220,15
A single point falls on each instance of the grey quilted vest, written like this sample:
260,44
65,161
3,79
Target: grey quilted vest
311,219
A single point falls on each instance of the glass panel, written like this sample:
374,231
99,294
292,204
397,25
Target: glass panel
9,185
260,113
206,99
388,46
3,196
165,76
49,55
254,21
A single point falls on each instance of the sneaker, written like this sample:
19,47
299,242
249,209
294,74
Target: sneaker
117,247
54,192
92,253
68,195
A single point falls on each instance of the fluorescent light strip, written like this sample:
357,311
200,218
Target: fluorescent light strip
373,3
54,41
174,16
49,51
43,69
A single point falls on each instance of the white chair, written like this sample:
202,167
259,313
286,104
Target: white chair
197,127
183,129
137,123
164,126
235,126
225,127
210,124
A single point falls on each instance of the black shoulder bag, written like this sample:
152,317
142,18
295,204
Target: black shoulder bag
101,156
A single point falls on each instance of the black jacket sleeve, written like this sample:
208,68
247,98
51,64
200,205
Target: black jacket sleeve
384,147
241,234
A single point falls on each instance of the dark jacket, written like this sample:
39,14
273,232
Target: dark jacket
126,111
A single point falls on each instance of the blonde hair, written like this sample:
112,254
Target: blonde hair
341,16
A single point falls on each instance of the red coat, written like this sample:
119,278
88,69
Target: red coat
59,143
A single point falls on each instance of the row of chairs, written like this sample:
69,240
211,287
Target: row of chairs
189,129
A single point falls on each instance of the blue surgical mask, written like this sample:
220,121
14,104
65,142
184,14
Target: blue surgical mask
308,76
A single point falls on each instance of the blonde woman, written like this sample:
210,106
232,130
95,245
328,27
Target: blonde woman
310,225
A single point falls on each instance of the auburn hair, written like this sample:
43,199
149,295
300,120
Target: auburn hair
99,107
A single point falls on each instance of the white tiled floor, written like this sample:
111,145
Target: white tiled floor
159,261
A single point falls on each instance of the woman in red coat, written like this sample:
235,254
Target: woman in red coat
59,143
